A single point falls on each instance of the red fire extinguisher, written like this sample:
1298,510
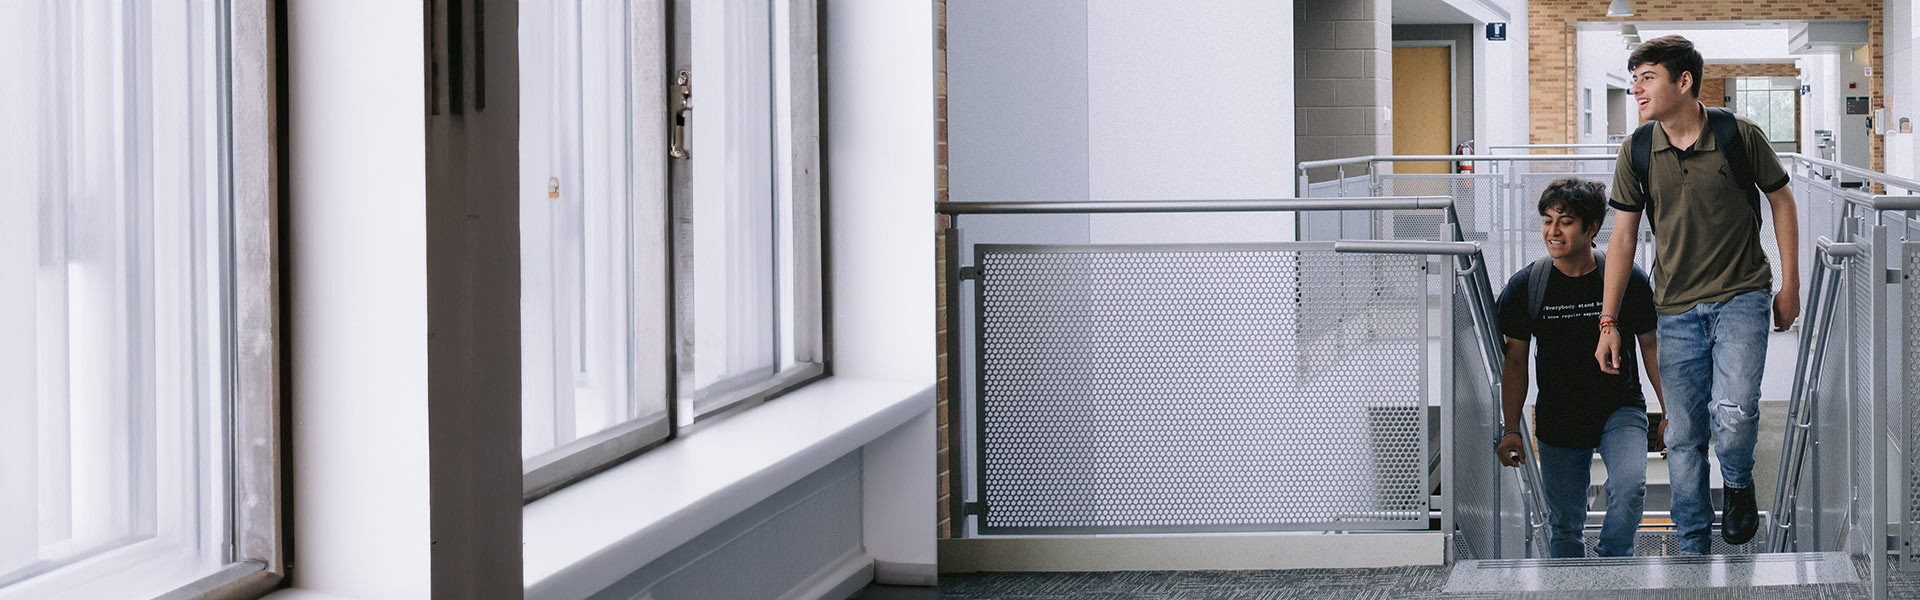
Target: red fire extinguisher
1465,148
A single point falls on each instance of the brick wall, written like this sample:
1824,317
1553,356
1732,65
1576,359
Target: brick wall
1551,66
939,258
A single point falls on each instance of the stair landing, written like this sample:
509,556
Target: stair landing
1652,572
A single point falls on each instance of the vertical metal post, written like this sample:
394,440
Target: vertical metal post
1876,542
956,430
1448,404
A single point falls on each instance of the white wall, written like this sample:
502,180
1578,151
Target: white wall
357,297
1190,101
1599,54
1124,100
879,168
879,185
1899,33
1500,111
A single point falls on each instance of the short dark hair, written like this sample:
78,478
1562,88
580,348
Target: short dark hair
1673,52
1585,200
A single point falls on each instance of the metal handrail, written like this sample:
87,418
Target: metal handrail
1371,158
1406,247
1195,206
1871,176
1806,373
1894,202
1548,146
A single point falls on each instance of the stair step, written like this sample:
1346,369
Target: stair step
1651,572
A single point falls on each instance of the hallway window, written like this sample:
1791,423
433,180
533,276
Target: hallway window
121,375
669,251
1771,103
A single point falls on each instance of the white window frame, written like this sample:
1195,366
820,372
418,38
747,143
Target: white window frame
254,542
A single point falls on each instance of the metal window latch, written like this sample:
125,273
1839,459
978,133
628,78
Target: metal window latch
683,96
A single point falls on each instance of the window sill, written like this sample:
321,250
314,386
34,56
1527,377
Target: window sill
583,538
136,570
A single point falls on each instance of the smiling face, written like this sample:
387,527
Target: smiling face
1659,95
1565,233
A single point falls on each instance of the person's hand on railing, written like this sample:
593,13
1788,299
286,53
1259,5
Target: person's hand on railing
1510,450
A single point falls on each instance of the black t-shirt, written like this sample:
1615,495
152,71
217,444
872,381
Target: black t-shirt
1575,397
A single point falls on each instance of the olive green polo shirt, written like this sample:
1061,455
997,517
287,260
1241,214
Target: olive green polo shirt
1706,239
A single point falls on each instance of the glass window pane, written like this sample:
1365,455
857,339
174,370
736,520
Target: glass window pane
1783,111
733,201
113,338
578,190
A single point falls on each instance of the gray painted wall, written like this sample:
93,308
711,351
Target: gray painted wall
1119,100
1017,101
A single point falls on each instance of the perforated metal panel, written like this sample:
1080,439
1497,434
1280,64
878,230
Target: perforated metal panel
1910,369
1200,388
1477,493
1860,289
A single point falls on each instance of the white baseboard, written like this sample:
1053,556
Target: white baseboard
1223,552
837,581
895,573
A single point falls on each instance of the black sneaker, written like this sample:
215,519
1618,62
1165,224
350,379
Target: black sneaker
1742,518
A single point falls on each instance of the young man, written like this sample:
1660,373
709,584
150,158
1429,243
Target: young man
1580,409
1712,278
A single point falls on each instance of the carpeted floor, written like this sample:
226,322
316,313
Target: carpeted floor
1413,583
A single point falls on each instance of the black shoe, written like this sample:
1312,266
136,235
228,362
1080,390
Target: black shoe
1742,518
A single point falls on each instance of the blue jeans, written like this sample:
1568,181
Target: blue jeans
1565,475
1711,358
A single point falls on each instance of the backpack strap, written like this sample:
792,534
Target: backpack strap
1726,135
1537,276
1541,271
1638,156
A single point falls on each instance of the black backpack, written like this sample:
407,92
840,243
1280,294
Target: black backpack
1726,136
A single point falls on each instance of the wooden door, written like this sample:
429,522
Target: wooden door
1422,105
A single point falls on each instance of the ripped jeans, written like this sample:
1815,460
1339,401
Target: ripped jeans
1711,358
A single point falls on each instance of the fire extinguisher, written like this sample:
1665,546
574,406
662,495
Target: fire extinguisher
1465,148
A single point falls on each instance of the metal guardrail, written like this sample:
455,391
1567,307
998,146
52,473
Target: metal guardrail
1470,271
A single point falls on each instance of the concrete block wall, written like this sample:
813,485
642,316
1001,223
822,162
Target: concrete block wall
1343,86
1551,66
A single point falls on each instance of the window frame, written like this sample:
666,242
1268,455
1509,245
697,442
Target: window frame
255,532
254,36
804,161
656,247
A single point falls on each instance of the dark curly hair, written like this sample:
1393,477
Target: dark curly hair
1673,52
1585,200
